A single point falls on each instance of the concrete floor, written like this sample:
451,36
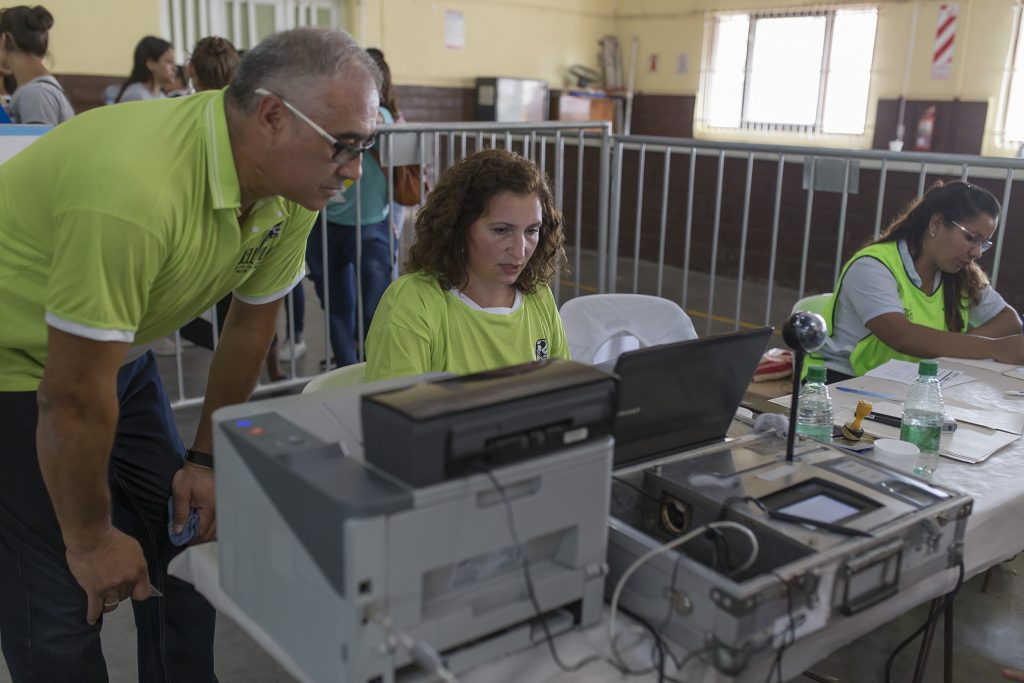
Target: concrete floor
987,633
989,628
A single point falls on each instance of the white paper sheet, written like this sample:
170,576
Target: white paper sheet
993,418
1016,373
975,444
905,372
983,363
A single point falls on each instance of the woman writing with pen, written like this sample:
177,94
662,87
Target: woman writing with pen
916,291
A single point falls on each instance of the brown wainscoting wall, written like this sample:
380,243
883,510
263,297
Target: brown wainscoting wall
655,115
959,126
418,103
425,104
663,115
87,92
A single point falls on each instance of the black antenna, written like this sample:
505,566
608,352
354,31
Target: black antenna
804,332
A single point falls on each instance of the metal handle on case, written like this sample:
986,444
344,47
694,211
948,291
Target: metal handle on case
865,562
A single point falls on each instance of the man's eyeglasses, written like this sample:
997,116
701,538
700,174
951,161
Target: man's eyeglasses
973,238
343,151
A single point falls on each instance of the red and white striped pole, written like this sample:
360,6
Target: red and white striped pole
945,34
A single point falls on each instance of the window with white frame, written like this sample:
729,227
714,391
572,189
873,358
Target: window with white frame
1013,113
243,22
805,71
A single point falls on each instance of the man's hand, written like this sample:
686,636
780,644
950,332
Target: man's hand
237,363
193,487
110,569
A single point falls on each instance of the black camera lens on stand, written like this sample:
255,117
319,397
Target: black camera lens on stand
805,332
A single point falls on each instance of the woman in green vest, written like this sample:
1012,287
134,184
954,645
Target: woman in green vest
916,291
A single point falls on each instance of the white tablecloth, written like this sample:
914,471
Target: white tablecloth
995,531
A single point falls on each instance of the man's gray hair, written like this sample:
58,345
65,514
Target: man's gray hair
297,65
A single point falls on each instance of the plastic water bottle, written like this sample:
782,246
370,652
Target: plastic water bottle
814,409
922,417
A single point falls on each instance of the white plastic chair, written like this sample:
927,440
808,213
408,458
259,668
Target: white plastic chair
341,377
600,327
815,303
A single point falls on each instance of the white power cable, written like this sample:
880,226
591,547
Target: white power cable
424,654
665,547
427,657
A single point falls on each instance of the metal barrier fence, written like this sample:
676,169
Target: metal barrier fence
742,171
722,216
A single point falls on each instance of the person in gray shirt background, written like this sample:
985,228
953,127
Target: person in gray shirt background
153,70
24,40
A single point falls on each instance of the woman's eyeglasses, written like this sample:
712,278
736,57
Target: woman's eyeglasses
973,238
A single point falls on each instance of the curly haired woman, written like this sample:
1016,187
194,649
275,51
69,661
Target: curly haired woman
476,297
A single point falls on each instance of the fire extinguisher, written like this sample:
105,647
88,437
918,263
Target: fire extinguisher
925,127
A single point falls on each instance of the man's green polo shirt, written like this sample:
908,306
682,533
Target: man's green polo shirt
122,224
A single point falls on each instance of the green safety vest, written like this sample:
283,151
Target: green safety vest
920,309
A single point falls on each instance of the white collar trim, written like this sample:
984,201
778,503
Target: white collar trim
501,310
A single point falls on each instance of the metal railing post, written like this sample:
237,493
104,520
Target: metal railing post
715,229
998,256
689,225
664,217
807,229
602,215
775,238
579,217
748,184
641,163
841,234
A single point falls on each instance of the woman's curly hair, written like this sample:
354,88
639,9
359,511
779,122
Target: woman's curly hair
462,195
954,201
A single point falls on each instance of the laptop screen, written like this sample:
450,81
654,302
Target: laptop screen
676,396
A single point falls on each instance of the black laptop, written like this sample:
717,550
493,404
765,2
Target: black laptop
674,397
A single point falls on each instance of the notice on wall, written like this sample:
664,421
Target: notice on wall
683,63
454,29
945,34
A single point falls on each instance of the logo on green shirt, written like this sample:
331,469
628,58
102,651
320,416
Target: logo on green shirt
541,348
252,256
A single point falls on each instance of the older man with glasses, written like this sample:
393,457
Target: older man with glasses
118,227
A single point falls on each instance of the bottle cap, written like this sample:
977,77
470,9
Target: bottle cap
928,368
816,373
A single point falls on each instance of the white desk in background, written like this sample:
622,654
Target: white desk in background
994,533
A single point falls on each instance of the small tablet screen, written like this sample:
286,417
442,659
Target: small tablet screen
820,508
